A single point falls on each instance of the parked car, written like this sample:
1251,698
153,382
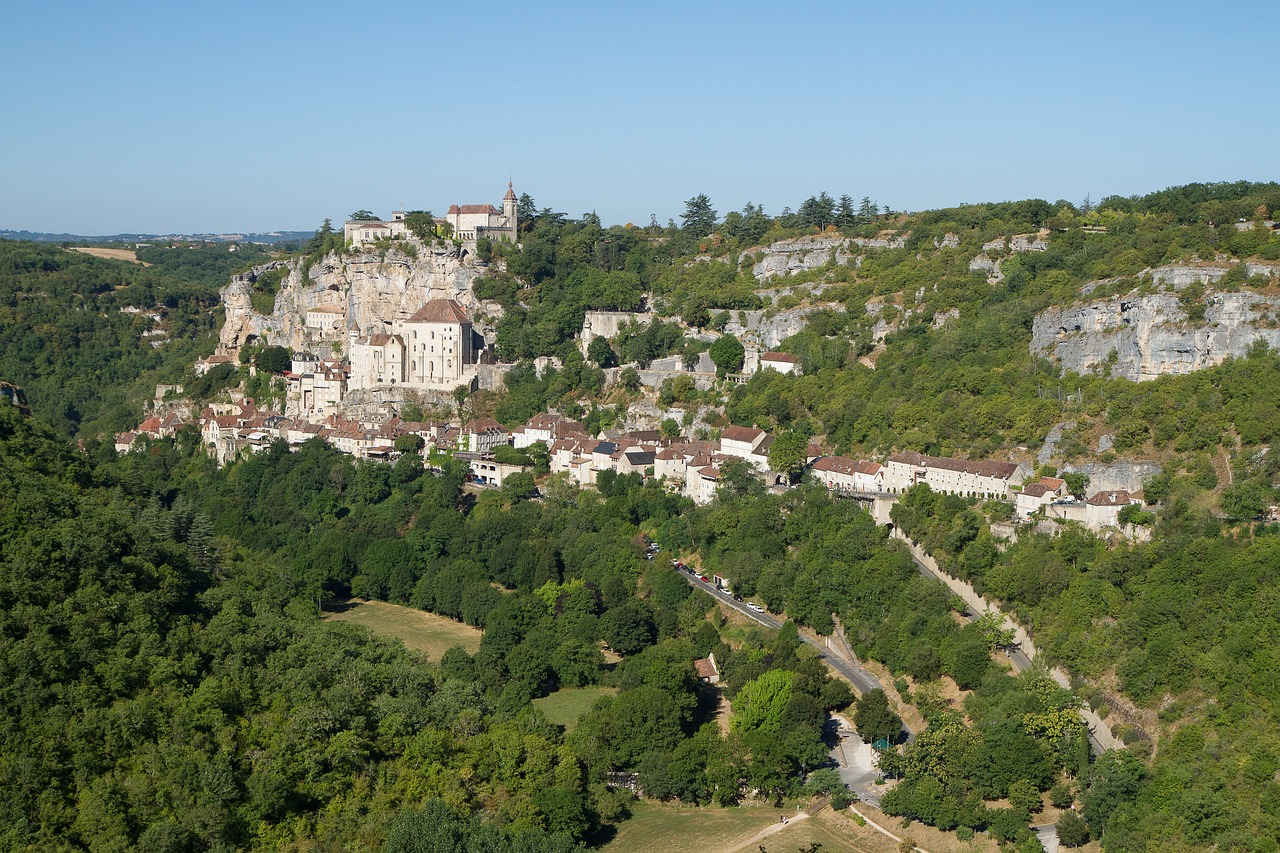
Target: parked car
756,607
704,578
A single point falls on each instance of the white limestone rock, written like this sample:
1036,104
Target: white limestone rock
1153,336
375,289
788,257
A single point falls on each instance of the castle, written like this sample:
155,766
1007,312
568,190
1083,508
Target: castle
468,223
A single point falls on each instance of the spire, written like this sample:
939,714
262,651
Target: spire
511,194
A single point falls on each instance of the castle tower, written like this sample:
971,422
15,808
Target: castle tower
509,210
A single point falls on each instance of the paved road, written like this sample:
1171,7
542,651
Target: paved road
861,680
1020,660
854,760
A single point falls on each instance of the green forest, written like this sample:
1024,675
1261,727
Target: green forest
86,365
167,684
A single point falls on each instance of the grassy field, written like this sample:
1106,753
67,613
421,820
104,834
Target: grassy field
110,254
667,828
565,706
423,632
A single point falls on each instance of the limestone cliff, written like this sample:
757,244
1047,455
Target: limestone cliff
788,257
367,291
1157,334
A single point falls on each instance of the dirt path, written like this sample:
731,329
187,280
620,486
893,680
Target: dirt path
772,829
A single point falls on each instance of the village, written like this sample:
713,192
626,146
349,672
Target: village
690,467
347,382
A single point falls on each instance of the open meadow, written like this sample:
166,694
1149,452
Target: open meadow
673,828
110,254
420,631
566,705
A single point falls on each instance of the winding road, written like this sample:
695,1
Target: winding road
861,680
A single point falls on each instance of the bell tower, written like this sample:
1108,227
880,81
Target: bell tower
509,210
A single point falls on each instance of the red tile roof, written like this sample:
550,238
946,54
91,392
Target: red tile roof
440,311
845,465
1115,497
979,467
786,357
746,434
474,208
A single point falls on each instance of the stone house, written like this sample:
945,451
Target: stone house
326,318
741,441
964,477
318,393
842,474
548,429
783,362
490,473
1037,495
363,233
1098,512
204,365
482,435
1103,509
376,360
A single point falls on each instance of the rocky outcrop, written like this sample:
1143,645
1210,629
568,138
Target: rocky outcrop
788,257
1144,337
769,330
374,289
988,265
1179,276
242,324
607,324
1029,242
1103,477
883,240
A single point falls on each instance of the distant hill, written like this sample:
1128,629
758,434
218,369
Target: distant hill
269,237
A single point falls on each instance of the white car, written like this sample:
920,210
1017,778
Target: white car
756,607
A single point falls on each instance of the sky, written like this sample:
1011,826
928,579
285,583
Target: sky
233,117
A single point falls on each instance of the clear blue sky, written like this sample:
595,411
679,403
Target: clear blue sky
229,116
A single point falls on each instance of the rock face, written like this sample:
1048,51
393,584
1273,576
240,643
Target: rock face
788,257
1152,335
607,324
1130,476
770,331
1179,276
373,289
